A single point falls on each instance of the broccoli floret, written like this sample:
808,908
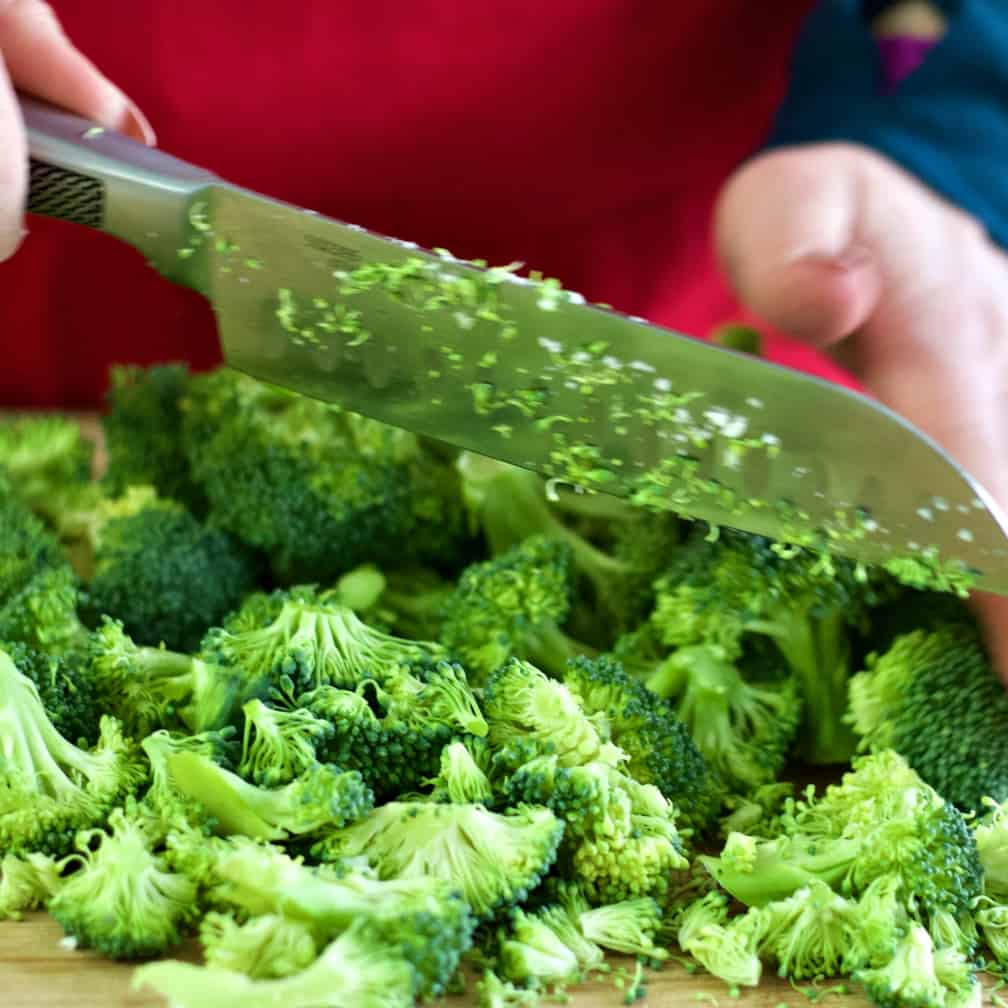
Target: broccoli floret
658,745
49,788
280,745
628,926
881,820
532,952
412,603
150,564
991,834
494,859
43,612
461,779
72,699
512,606
991,919
355,969
920,976
720,590
317,489
28,883
143,433
423,917
934,697
311,639
493,992
743,727
322,797
46,456
729,949
263,948
123,900
27,547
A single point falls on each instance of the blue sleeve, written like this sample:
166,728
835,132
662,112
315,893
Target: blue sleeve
947,122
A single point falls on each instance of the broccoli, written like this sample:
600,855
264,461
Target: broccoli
881,820
992,922
316,489
461,780
27,547
28,883
920,976
354,969
991,834
412,603
629,926
532,952
934,697
143,433
263,948
43,613
162,797
726,948
660,749
123,900
46,457
322,797
150,564
423,917
49,788
495,859
512,606
720,590
279,745
311,638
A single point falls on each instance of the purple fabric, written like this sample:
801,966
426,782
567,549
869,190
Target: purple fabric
901,55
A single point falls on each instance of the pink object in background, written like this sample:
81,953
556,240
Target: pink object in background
901,55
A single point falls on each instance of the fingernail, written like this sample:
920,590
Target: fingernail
135,124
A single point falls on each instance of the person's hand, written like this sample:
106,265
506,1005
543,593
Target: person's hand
839,247
38,59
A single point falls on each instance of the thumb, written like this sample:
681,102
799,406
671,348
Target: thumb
787,229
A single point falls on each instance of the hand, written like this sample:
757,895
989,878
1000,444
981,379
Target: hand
37,58
838,246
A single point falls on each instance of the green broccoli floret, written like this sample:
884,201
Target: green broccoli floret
992,921
263,948
659,746
412,603
123,900
728,949
317,489
322,797
920,976
720,590
628,926
493,992
881,820
312,639
617,550
27,547
43,613
280,745
46,456
28,883
743,726
150,564
494,859
461,780
991,834
532,952
49,788
143,433
72,699
163,798
513,606
934,697
355,969
423,917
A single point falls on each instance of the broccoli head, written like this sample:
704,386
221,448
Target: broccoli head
263,948
934,697
43,613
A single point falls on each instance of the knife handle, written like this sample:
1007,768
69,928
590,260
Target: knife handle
84,174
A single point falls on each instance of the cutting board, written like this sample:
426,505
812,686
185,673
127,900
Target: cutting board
37,972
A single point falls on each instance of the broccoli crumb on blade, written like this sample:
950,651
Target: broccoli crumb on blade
367,717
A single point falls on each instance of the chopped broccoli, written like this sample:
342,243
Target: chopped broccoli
263,948
27,547
412,603
43,613
629,926
991,834
28,883
321,797
495,859
461,780
318,490
727,949
532,952
123,900
49,788
143,433
280,745
354,969
934,697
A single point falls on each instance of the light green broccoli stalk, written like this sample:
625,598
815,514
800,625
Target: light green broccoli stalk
263,948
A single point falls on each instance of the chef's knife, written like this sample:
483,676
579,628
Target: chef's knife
520,370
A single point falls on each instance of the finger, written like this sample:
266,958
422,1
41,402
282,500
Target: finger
13,169
788,237
42,61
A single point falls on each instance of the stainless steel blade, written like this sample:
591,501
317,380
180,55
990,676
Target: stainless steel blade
533,376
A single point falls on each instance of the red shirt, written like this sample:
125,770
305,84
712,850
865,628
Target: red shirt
586,138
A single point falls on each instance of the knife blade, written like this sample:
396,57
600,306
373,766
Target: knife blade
518,369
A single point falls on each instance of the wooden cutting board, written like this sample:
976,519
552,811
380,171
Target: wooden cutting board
37,972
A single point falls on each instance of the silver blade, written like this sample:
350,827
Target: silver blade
583,395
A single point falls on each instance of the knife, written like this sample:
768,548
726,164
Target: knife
516,368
